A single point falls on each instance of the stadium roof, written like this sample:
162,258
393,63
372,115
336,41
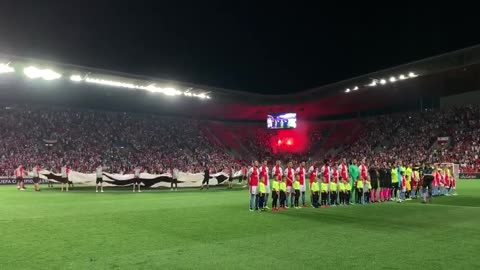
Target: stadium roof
441,75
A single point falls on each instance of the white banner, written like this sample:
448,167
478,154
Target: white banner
146,179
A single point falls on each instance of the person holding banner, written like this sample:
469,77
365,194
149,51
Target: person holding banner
19,173
175,179
64,171
136,178
99,178
36,177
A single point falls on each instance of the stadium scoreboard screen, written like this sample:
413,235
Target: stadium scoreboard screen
282,121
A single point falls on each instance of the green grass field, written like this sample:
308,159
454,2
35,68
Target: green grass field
213,229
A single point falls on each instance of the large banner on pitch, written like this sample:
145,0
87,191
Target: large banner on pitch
146,179
12,181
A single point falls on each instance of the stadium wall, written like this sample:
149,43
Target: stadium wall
472,97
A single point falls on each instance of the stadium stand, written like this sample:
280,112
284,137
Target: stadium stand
84,138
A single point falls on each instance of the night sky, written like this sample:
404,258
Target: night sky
269,48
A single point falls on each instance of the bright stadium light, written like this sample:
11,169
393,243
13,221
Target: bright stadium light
32,72
402,77
347,90
355,88
373,83
383,81
76,78
412,75
171,91
49,75
5,68
393,79
36,73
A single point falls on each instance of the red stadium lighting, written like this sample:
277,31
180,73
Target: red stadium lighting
279,142
289,142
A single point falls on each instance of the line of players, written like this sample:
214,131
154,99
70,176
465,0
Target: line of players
344,184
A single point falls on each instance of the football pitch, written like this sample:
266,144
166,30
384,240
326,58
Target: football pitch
192,229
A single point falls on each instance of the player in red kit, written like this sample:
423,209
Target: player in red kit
290,174
345,180
364,178
326,174
300,172
312,176
253,176
334,185
19,173
266,181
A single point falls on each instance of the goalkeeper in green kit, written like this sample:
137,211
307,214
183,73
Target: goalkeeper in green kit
354,174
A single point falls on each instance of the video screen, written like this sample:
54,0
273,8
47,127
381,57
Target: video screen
282,121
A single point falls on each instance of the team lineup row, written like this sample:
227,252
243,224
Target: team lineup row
345,184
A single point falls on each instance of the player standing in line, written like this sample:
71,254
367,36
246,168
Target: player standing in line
334,185
365,182
283,193
446,177
296,188
290,174
408,177
414,182
19,173
264,177
388,182
275,193
373,171
427,183
262,191
403,186
315,195
395,183
300,172
99,178
325,170
64,174
343,168
36,177
353,172
382,175
136,178
312,172
253,175
454,186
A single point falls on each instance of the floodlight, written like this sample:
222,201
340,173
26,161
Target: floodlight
36,73
402,77
76,78
49,75
347,90
373,83
393,79
171,91
355,88
5,68
412,75
383,81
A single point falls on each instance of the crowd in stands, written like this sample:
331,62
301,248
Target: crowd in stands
414,137
83,139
